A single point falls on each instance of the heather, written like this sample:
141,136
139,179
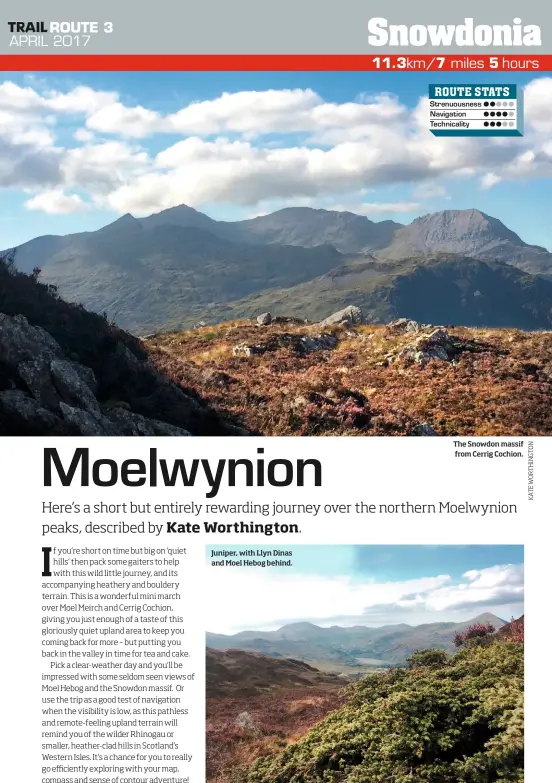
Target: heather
494,381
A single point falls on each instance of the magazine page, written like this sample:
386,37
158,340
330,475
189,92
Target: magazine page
275,391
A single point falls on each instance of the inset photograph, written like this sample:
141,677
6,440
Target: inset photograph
362,664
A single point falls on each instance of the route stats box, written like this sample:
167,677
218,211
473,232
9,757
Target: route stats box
475,110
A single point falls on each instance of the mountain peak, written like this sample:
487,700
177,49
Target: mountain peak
181,215
126,221
487,617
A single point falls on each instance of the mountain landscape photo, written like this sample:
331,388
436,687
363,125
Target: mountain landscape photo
298,259
412,682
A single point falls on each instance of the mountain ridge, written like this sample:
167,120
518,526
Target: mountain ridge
344,648
174,268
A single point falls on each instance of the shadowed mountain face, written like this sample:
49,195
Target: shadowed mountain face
339,649
467,232
174,268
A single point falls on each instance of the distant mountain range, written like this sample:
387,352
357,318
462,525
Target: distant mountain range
174,268
341,649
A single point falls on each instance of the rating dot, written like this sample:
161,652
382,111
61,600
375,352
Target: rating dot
486,103
498,124
492,103
492,124
486,124
511,103
511,113
511,124
486,113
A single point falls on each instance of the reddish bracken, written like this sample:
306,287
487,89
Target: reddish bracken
280,717
499,381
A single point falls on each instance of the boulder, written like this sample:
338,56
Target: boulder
244,349
21,342
403,325
423,429
286,319
75,384
435,345
246,722
87,422
301,344
265,319
129,423
352,315
21,414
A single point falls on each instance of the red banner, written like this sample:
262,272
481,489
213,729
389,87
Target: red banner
275,62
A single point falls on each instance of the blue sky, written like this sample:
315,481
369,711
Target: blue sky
78,150
367,585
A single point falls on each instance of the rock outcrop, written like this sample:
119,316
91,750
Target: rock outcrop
350,316
436,344
44,392
300,344
402,325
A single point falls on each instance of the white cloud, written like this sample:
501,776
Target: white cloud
224,157
239,598
81,134
538,105
489,180
56,202
427,190
368,208
102,168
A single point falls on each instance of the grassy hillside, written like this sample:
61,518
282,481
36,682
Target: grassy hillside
436,288
257,705
496,381
456,719
254,673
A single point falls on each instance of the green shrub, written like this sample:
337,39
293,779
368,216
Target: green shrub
454,720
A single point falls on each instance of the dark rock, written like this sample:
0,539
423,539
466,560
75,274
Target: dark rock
75,384
21,414
129,423
86,422
21,342
284,319
301,344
